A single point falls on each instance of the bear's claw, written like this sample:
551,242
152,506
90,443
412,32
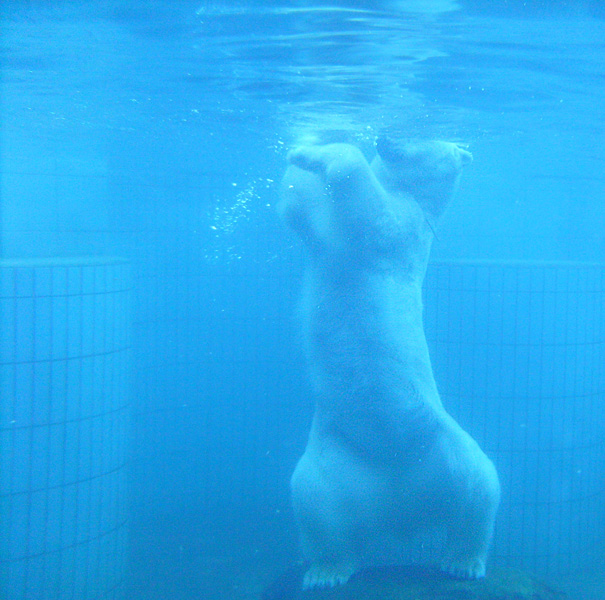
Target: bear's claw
327,576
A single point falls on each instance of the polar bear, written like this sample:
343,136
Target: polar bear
385,465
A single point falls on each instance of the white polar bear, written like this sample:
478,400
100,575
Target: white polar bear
384,464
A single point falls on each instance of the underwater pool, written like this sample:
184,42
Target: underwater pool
156,387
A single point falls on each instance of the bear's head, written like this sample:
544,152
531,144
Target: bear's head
427,171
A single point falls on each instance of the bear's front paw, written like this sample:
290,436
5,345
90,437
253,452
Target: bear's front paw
334,161
327,576
471,568
307,158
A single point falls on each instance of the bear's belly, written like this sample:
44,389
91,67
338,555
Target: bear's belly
365,340
393,434
370,363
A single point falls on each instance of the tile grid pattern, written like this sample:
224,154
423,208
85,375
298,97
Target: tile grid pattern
519,356
64,379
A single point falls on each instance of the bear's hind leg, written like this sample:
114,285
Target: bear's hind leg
325,524
469,533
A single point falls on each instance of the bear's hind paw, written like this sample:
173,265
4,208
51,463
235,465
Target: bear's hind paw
327,576
471,568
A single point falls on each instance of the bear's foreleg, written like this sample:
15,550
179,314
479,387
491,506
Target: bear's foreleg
360,205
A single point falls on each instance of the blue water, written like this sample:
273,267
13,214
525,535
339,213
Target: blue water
157,132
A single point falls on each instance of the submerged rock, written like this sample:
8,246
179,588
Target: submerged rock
413,583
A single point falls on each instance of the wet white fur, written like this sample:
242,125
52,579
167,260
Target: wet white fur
384,464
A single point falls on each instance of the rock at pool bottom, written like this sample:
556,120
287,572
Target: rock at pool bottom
412,583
